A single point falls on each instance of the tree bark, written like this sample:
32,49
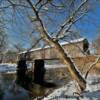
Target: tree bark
63,55
75,74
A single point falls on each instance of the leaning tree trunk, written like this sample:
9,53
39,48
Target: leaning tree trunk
75,74
64,56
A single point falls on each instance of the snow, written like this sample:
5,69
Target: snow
14,91
62,43
54,66
92,91
73,41
10,68
7,68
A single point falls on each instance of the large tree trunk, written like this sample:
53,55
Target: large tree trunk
75,74
64,56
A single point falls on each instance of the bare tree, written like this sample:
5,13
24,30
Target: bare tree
19,47
3,35
91,66
3,44
47,19
64,56
96,45
3,41
77,14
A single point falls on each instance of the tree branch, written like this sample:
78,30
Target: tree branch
91,66
41,28
15,4
76,75
38,2
71,21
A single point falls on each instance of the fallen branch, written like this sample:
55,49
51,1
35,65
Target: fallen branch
91,66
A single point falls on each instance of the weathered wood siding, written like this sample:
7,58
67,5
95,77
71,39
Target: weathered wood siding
73,49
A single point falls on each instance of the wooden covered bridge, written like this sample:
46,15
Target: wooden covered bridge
75,48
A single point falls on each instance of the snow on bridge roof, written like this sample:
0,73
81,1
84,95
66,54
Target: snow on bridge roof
62,43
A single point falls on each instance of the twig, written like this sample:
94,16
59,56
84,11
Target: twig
71,19
76,75
91,66
38,2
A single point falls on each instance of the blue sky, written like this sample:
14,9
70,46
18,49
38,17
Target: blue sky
92,24
88,27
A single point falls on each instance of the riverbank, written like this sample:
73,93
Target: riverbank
67,91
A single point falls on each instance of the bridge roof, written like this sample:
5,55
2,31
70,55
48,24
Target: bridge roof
62,43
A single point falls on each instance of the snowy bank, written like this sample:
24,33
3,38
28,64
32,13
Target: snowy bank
66,92
10,68
7,68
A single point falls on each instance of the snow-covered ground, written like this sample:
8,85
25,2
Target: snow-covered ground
6,68
55,66
11,68
66,92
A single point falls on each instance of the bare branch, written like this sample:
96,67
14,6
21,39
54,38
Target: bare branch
71,19
15,4
42,5
91,66
41,28
38,2
76,75
35,44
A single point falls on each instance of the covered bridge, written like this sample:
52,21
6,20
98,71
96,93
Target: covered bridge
75,48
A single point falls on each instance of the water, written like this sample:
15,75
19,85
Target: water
58,75
6,80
